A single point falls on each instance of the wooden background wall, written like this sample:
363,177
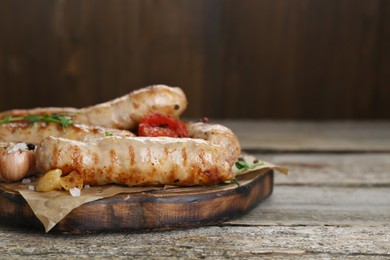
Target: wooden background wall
273,59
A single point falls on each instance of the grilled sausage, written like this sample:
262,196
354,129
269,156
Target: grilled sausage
15,163
218,135
135,161
124,112
35,132
38,111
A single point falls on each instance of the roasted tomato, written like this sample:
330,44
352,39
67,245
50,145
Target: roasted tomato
162,125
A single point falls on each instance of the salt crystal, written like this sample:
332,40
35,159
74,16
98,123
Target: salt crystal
31,187
87,186
26,180
75,192
18,147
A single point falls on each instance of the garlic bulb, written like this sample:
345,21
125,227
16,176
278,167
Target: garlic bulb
16,165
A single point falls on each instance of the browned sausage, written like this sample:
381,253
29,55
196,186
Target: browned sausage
35,132
124,112
137,160
38,111
218,135
15,165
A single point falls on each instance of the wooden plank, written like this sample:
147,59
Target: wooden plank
322,206
306,54
265,59
176,46
208,242
71,53
383,63
321,136
335,170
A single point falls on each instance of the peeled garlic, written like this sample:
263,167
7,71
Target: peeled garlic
72,180
50,181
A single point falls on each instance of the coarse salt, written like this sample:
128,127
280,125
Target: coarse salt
75,192
31,187
26,180
17,147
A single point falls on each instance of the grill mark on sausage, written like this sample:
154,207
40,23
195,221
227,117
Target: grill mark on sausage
95,158
90,176
113,164
114,158
202,158
148,154
55,154
77,159
184,156
131,155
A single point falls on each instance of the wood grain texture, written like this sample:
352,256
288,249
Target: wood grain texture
361,170
303,59
297,242
155,210
322,206
311,136
383,68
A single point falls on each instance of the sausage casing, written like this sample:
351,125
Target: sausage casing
38,111
125,112
121,113
136,161
36,132
219,135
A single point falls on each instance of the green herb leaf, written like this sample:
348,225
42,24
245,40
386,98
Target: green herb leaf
106,133
8,119
60,119
234,180
243,165
32,118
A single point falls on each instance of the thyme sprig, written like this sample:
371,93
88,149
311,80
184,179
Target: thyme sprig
61,119
243,165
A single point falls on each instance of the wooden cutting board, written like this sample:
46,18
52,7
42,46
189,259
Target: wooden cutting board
152,210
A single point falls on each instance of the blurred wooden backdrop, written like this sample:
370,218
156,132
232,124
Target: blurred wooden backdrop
273,59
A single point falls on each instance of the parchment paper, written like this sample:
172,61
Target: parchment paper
51,207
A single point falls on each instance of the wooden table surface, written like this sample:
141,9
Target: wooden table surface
335,203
